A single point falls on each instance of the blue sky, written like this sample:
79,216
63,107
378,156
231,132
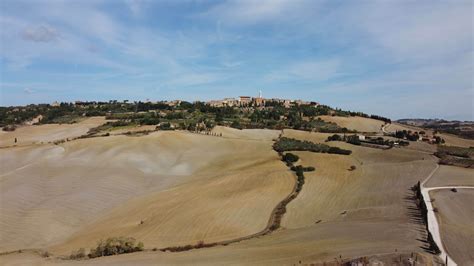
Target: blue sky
394,58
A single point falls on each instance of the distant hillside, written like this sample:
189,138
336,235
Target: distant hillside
463,129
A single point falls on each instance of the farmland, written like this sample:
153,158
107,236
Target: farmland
178,188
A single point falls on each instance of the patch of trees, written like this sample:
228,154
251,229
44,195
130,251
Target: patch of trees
407,134
147,106
420,202
339,112
385,119
200,244
309,110
299,171
114,246
175,115
368,141
289,144
110,246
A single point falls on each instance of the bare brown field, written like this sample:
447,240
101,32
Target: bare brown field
176,188
248,134
456,218
452,140
285,247
374,193
394,126
358,123
448,175
194,188
27,135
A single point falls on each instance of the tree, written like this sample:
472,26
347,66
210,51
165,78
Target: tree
290,158
335,137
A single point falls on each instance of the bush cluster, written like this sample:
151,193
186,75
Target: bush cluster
289,144
290,158
200,244
114,246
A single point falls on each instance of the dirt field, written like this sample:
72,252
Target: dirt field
174,188
360,124
27,135
333,195
452,176
456,217
248,134
452,140
227,193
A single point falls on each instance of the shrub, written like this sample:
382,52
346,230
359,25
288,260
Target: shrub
78,254
352,168
9,128
165,126
335,137
290,158
115,246
354,139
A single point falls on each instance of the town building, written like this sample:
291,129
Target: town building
245,100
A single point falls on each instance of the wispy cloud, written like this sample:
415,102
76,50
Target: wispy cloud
356,55
28,91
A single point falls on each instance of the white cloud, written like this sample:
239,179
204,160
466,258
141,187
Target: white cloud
28,91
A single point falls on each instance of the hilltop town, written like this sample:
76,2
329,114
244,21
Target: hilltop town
177,181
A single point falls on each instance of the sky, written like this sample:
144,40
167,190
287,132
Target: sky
400,59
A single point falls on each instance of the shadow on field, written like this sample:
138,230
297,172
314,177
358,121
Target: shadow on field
415,216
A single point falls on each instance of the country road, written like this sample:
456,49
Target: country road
433,224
